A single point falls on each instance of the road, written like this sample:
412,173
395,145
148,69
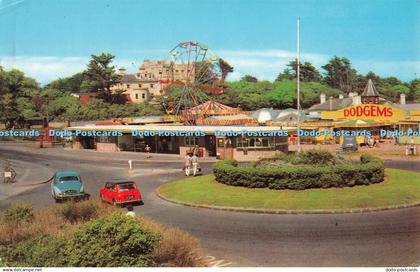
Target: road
387,238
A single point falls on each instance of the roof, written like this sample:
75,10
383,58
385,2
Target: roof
409,107
291,117
337,104
264,114
129,78
66,173
357,123
208,130
119,181
213,108
370,89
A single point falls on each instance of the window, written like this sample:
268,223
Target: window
191,141
137,96
152,95
143,96
139,85
255,142
151,85
128,85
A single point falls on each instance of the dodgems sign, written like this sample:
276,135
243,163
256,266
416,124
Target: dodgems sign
367,112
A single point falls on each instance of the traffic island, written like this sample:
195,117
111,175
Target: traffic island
399,189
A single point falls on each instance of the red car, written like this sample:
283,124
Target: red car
120,191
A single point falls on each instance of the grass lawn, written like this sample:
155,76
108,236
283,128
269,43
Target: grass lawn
400,187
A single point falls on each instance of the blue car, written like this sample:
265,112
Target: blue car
67,185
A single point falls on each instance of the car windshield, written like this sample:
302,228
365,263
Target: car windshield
127,186
69,179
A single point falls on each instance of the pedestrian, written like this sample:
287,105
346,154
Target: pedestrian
130,210
147,149
188,164
194,162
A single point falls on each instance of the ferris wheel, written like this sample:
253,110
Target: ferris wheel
197,75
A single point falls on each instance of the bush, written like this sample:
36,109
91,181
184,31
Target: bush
317,156
301,176
18,213
177,249
40,251
77,211
111,241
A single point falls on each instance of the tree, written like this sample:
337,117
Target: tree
249,78
415,90
340,74
70,84
13,85
101,76
307,72
286,75
225,68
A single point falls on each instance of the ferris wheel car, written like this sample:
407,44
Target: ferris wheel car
120,192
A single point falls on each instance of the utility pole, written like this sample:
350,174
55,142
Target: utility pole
298,83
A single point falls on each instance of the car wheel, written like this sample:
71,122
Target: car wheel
114,202
101,197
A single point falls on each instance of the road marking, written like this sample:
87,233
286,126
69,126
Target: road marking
213,262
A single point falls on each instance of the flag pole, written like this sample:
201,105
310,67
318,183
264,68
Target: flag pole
298,82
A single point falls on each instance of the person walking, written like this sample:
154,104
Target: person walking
188,164
147,149
194,162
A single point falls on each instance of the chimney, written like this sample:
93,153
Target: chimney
341,96
322,98
331,102
402,99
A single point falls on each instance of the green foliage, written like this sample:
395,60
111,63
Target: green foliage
340,74
283,94
317,156
39,251
299,173
70,84
18,213
112,241
77,211
307,72
100,75
249,78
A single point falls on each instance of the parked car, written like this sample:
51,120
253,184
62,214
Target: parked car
120,191
67,185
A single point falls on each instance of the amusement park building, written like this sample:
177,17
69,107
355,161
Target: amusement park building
242,143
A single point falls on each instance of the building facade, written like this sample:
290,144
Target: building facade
151,79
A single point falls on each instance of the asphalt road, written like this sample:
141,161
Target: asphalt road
387,238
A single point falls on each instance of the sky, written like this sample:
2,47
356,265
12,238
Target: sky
49,39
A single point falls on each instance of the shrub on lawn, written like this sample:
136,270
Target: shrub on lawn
177,249
104,238
306,175
39,251
112,241
18,213
77,211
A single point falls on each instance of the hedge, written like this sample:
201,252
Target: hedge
303,176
